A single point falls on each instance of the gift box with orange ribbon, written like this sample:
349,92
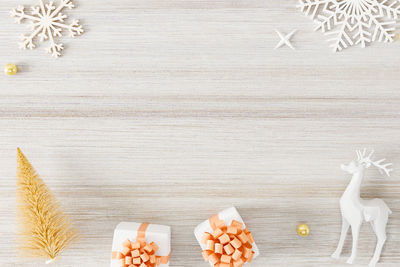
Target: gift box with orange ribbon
141,245
225,240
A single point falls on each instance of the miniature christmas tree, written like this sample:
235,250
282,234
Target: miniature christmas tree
45,231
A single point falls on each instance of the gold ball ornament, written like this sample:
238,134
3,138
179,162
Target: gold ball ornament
303,230
10,69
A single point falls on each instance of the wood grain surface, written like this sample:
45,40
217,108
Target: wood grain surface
169,111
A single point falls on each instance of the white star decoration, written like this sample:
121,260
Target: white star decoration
353,22
47,23
285,39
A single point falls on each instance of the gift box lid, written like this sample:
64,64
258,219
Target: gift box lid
227,215
159,234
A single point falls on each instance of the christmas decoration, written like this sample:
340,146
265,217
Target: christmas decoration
285,39
141,245
47,23
10,69
353,22
303,230
45,230
225,240
355,210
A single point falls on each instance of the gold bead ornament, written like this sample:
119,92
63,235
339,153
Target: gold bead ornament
303,230
10,69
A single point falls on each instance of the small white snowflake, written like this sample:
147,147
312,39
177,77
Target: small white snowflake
353,22
47,23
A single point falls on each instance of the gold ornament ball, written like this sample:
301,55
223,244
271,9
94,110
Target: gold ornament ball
10,69
303,230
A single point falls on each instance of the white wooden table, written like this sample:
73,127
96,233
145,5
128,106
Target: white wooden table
169,111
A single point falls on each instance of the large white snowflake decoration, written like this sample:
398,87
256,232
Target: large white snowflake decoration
47,23
353,22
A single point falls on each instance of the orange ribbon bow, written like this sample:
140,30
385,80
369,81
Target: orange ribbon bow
227,246
139,253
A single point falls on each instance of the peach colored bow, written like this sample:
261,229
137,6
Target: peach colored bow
139,253
227,246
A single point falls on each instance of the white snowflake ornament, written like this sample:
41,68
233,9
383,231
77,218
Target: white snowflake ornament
353,22
47,23
285,39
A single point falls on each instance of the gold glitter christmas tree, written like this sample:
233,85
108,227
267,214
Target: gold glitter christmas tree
45,230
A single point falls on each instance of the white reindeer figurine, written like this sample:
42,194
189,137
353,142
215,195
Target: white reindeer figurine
355,210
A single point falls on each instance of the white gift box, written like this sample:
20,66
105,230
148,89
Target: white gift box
227,215
159,234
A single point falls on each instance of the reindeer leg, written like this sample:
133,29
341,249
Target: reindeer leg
345,229
355,230
380,231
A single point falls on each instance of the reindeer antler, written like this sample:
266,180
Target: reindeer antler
383,167
361,158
